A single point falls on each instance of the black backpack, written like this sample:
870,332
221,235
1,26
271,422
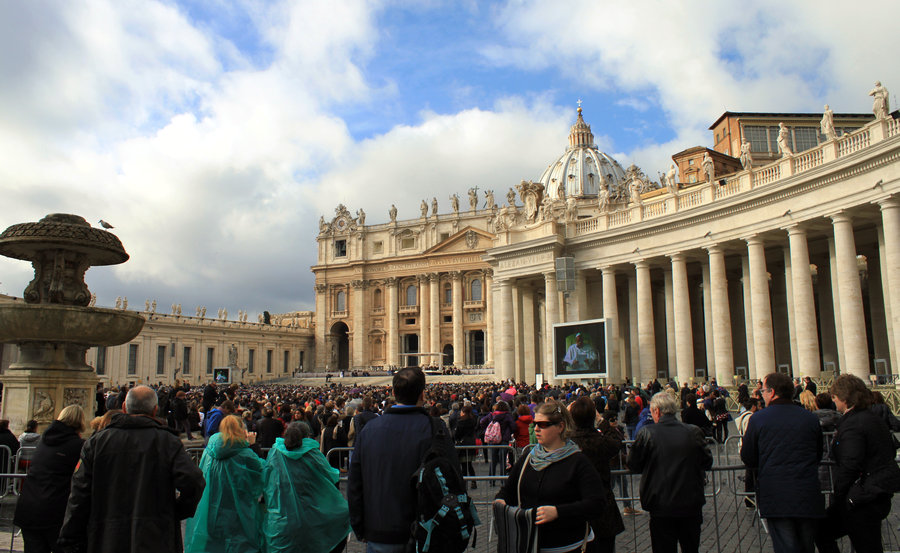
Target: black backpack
445,515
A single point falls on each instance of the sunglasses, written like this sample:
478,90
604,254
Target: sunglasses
545,424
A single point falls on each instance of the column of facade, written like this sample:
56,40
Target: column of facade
708,322
531,362
646,328
551,317
761,310
684,335
434,314
459,347
721,316
672,358
393,333
611,314
488,318
836,303
890,258
805,324
505,368
853,323
425,321
792,325
360,351
321,309
748,316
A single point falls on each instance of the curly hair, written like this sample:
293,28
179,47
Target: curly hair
852,391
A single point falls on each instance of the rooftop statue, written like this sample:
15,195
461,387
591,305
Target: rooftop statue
827,123
880,106
783,136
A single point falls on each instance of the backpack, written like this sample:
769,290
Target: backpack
445,515
492,434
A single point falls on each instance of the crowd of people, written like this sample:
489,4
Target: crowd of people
264,481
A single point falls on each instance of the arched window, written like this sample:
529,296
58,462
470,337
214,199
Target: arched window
448,293
377,298
411,294
340,301
475,290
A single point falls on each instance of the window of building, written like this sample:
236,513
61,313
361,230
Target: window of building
690,162
758,137
448,318
692,178
378,246
475,290
210,356
411,294
268,361
160,359
407,242
300,364
340,248
409,321
101,360
132,358
378,298
186,360
444,236
805,138
448,293
287,359
340,301
251,360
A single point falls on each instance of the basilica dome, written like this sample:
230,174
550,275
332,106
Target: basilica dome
582,167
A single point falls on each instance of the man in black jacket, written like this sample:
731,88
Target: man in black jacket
124,488
387,452
672,457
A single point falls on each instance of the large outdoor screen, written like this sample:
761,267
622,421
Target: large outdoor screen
222,375
579,349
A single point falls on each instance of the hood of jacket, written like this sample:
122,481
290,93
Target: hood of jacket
218,448
126,421
527,419
58,433
306,446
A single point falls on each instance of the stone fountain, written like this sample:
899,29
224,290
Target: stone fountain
55,326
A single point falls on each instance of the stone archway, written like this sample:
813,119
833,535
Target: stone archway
448,354
339,359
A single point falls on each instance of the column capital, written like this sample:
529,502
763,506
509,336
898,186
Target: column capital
754,240
795,229
392,281
488,272
434,277
641,264
456,275
714,249
321,288
676,256
891,202
359,284
840,217
422,279
608,270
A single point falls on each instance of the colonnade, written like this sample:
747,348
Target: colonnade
717,302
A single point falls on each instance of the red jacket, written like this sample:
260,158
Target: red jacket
522,424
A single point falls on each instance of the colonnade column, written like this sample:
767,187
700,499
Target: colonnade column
507,360
488,318
805,325
611,314
393,309
646,328
748,316
434,314
890,220
359,317
321,308
853,323
684,335
551,317
459,347
425,320
761,310
721,316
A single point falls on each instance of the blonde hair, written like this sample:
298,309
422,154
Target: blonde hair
557,413
808,400
72,416
232,430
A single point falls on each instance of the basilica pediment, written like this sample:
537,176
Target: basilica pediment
466,240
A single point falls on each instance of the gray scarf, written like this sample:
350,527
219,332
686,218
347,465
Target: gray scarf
541,458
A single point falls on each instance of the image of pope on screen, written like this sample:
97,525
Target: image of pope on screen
580,356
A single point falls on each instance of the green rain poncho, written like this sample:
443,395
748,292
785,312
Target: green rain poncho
229,516
305,510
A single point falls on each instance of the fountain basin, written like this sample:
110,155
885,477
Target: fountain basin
91,326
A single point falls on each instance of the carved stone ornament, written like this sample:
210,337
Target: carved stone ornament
343,221
359,284
532,194
321,288
43,407
76,396
471,239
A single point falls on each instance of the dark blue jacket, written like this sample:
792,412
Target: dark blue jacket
784,443
380,491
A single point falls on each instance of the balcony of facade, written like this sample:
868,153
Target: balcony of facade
409,309
473,304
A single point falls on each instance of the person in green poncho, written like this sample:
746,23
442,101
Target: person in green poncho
305,510
229,516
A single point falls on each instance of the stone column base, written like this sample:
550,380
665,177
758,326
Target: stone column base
40,394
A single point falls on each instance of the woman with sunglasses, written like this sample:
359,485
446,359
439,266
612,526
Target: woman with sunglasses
558,481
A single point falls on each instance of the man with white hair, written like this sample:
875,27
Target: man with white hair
133,485
672,457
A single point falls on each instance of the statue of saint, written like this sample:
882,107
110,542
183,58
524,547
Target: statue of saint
635,191
880,106
827,123
232,356
322,225
118,302
672,178
434,206
454,203
511,197
603,197
423,207
783,136
746,155
709,168
489,199
473,198
361,217
393,213
153,306
571,209
125,302
146,305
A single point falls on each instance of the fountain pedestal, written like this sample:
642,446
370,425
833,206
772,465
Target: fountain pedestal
55,327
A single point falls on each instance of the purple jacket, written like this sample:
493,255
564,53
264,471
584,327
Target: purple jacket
507,425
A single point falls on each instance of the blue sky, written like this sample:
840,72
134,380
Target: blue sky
214,133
